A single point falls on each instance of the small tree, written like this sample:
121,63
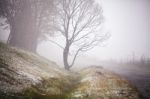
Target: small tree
79,23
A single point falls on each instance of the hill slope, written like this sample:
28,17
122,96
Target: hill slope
21,72
24,75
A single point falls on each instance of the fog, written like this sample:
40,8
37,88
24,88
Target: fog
98,45
128,23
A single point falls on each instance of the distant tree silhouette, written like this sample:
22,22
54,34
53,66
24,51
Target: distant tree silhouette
26,19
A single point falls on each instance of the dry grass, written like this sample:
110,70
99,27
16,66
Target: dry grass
24,75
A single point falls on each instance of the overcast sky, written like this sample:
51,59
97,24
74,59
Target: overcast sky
128,22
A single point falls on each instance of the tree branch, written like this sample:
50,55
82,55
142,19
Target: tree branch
75,56
56,44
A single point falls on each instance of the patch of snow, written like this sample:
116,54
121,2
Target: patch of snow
90,78
33,78
78,95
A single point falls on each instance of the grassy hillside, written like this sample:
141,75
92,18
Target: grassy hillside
137,72
98,83
24,75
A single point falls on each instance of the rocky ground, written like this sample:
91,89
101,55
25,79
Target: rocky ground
24,75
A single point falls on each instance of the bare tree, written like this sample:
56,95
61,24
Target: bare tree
79,23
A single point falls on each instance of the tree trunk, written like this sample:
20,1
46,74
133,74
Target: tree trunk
65,57
25,38
22,40
23,30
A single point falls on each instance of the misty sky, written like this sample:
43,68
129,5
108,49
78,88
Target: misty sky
128,22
